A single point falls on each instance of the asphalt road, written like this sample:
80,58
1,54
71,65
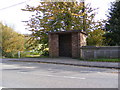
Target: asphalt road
39,75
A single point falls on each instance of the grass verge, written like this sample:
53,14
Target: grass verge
104,60
35,56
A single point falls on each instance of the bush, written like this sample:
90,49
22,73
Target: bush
34,53
23,54
45,53
8,55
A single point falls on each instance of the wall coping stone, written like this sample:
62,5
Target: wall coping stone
97,47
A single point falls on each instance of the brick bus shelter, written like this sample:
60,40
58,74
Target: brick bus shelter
66,43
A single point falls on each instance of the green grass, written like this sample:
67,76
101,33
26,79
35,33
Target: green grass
32,56
104,60
29,56
35,56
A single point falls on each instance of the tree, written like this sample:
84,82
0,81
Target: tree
96,38
113,25
29,42
59,16
12,42
62,16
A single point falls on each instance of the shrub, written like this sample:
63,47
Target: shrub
45,53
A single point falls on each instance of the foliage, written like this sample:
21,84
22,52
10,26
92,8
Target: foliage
12,42
59,16
45,52
30,42
96,38
40,50
113,25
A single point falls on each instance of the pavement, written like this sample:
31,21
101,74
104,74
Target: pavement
69,61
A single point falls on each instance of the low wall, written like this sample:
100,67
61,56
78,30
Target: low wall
93,52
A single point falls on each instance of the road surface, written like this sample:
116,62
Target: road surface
40,75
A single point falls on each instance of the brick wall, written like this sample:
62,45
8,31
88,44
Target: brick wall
53,45
82,39
75,45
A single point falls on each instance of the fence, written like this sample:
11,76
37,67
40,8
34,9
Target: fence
93,52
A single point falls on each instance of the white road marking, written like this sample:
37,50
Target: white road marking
86,71
1,88
70,77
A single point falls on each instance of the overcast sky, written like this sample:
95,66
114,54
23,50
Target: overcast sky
13,16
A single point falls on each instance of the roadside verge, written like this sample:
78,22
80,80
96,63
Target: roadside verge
69,61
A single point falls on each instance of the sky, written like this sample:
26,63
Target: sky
13,16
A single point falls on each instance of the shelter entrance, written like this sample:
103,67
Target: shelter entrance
65,45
